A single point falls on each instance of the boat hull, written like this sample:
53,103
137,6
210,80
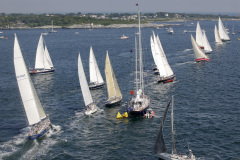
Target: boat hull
40,134
137,113
41,71
166,80
96,86
226,40
113,103
202,59
92,108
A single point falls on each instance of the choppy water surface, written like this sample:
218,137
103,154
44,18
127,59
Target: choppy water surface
206,97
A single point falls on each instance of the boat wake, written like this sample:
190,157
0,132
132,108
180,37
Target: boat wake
20,147
187,50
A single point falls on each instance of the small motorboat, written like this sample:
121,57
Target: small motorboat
124,37
149,113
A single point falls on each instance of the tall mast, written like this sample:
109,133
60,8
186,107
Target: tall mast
140,53
136,64
174,150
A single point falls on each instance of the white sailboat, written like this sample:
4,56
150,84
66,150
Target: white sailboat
38,121
52,31
222,31
217,36
199,53
170,30
160,148
139,102
96,80
113,90
90,105
199,36
43,62
207,47
165,71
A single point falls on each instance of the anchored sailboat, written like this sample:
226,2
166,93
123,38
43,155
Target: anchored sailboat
222,31
199,53
114,93
165,71
43,62
160,148
139,102
96,80
39,123
52,31
90,105
217,36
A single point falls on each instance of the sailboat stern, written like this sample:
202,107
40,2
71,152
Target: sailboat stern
166,79
113,101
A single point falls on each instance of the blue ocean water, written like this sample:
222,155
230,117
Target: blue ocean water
206,96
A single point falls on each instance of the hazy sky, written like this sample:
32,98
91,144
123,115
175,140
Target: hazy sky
97,6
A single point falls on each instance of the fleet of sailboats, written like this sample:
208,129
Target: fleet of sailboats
43,62
139,102
39,123
163,68
89,103
96,80
113,90
160,148
222,31
199,53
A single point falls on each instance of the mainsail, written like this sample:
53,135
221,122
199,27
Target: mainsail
31,102
83,83
95,75
198,52
159,146
217,36
112,85
39,61
199,35
222,31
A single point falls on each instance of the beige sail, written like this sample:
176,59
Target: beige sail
112,85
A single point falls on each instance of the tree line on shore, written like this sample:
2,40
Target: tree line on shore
38,20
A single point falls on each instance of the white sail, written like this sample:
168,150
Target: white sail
217,36
39,61
153,50
49,60
199,53
83,83
161,60
207,47
222,31
199,35
31,102
95,75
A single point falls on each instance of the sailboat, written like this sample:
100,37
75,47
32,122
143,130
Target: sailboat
199,53
43,62
39,123
170,30
217,36
139,102
222,31
96,80
114,93
199,36
90,105
165,71
207,47
52,31
160,148
233,33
